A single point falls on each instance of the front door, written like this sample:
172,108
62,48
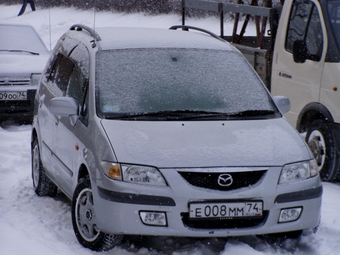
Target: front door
300,82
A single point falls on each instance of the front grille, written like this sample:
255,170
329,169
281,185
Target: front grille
11,82
223,223
209,180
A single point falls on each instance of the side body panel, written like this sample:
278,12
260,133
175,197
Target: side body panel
330,89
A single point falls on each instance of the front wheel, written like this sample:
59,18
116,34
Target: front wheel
321,142
84,220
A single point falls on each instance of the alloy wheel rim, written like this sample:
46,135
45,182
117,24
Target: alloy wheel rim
317,145
85,217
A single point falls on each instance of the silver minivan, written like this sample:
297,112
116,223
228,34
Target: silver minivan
167,132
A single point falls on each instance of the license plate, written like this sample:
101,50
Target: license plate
225,210
13,95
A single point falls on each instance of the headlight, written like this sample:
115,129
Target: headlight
133,173
142,175
298,171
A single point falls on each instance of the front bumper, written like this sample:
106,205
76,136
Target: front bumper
118,212
21,110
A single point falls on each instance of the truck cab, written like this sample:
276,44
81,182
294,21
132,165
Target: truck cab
305,68
297,56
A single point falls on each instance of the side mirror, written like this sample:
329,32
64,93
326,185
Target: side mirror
300,51
283,103
66,107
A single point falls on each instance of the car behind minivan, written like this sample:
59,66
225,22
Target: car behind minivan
170,133
23,56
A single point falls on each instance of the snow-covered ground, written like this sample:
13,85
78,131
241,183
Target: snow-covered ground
35,225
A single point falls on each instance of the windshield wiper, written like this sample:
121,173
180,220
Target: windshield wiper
192,114
31,52
168,115
253,113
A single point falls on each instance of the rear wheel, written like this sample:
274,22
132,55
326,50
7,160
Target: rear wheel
84,220
42,185
321,142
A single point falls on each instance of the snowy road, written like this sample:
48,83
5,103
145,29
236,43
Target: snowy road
33,225
42,225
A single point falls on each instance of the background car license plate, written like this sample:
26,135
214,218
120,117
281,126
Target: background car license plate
13,95
229,209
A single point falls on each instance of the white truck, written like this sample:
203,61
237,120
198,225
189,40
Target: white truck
297,57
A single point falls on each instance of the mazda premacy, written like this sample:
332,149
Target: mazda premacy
167,132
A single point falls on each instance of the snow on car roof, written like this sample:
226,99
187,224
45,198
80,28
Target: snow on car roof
122,38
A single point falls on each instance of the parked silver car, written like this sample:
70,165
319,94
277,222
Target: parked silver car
23,56
167,132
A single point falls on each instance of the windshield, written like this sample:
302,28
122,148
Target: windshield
18,38
139,81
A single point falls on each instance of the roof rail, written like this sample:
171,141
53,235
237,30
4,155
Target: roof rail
186,28
80,27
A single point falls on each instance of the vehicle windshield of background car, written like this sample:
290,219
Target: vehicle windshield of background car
21,38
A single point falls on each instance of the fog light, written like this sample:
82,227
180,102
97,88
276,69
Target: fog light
153,218
290,214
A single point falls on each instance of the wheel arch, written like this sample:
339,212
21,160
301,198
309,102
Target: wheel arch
34,135
310,112
83,171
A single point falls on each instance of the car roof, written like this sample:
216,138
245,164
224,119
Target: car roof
129,37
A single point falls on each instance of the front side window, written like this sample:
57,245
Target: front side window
66,77
59,74
78,83
305,24
154,80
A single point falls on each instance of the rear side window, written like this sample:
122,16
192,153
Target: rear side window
305,24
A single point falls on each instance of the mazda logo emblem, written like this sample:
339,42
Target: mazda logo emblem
225,180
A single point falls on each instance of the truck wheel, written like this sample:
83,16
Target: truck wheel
321,143
84,220
42,185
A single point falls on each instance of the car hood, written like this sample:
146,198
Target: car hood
14,63
271,142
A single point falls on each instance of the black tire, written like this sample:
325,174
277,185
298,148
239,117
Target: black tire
42,185
321,142
84,220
